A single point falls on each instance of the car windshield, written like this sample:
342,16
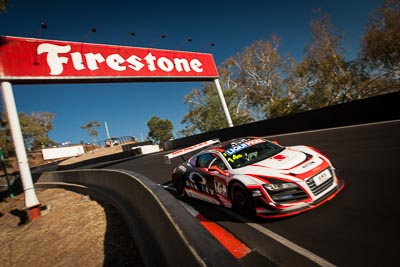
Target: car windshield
249,152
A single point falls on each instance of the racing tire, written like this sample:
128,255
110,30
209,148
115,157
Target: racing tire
242,201
179,186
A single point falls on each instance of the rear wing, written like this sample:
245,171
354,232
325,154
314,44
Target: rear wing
168,157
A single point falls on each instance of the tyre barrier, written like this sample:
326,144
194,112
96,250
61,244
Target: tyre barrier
165,233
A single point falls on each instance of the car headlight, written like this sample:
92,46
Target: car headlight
256,193
274,187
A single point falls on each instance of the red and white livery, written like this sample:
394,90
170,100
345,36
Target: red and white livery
257,177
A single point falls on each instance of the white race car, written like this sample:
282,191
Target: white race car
256,176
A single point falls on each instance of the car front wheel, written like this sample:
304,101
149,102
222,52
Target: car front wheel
241,200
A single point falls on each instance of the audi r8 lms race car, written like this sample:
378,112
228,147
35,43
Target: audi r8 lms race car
256,176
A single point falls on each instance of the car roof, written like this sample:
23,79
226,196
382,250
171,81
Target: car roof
228,143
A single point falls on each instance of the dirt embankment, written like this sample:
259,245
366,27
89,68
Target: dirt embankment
74,230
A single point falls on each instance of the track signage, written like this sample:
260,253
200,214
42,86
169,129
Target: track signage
28,60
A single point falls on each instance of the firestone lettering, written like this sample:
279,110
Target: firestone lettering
57,56
53,60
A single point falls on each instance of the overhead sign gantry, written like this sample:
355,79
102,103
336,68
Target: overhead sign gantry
35,61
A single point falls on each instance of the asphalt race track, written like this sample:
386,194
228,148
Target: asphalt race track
360,227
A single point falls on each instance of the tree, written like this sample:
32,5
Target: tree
91,127
34,127
260,83
329,78
265,79
257,84
324,67
160,130
381,41
6,143
380,49
3,5
206,112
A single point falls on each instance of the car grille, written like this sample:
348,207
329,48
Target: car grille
322,187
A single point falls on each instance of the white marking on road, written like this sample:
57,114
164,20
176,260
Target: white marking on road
302,251
287,243
167,186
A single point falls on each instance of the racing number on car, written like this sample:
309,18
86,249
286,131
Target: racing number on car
220,188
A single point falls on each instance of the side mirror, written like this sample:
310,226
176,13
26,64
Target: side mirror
216,169
275,142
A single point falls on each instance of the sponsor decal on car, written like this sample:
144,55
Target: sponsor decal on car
243,145
279,157
198,182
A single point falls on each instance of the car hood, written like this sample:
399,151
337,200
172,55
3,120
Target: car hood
287,164
286,159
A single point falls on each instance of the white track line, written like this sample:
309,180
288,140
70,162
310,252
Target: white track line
287,243
300,250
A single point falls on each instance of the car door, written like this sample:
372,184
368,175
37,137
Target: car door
200,177
210,181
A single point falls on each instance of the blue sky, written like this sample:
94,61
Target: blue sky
126,107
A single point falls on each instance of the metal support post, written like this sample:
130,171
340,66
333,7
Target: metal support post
223,102
32,204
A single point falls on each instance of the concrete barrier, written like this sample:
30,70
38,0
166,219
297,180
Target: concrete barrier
373,109
164,231
94,160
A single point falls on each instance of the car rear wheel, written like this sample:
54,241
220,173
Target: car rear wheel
241,200
179,186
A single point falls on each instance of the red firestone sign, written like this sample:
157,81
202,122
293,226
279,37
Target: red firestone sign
28,60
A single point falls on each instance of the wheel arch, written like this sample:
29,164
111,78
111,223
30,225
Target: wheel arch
242,202
231,183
